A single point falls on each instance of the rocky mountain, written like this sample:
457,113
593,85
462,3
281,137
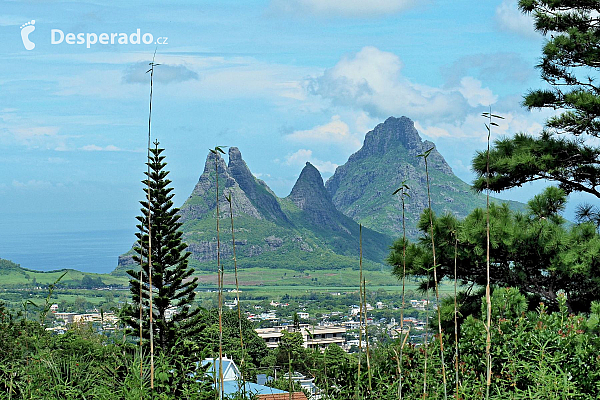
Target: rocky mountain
362,188
301,231
317,225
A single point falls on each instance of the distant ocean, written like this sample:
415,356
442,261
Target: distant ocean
49,242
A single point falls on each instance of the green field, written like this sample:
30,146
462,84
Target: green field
18,284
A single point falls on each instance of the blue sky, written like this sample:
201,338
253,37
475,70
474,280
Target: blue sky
286,81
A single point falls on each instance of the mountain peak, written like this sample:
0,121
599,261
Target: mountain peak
362,187
309,189
209,165
257,191
310,195
390,134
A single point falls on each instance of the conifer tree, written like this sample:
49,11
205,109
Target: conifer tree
172,287
569,64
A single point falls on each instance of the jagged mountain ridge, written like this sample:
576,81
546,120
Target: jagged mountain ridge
301,231
362,188
316,225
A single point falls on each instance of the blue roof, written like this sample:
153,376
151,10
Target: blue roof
232,387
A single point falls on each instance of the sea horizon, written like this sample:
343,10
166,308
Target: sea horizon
28,239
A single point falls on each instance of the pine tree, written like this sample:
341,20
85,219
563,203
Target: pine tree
171,284
569,64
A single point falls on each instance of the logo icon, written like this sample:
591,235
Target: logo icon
26,29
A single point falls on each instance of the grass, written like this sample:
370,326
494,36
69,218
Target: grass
21,276
256,278
16,284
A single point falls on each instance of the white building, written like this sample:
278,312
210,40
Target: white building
312,336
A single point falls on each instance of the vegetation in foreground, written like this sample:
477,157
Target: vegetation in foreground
536,354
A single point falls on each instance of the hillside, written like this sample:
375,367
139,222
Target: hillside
362,188
14,276
303,231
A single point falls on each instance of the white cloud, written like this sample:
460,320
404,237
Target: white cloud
473,126
15,129
164,73
347,8
12,20
499,67
303,155
56,160
509,18
475,94
189,76
31,184
371,80
93,147
336,131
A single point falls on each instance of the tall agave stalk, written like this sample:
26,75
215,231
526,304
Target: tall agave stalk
149,255
360,318
151,70
364,296
488,299
426,344
455,314
435,280
403,190
216,152
237,288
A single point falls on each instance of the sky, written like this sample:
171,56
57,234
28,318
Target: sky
286,81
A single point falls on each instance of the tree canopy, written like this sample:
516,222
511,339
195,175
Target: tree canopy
536,251
570,64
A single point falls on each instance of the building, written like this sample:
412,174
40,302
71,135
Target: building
170,312
67,317
352,325
231,304
232,381
306,384
312,336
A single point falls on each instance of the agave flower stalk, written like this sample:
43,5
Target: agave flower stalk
455,315
216,152
435,280
237,288
360,318
364,285
151,70
488,299
403,190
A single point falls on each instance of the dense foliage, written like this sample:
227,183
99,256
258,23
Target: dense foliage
82,364
536,355
536,251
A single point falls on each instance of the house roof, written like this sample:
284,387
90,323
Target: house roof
232,383
232,387
230,370
282,396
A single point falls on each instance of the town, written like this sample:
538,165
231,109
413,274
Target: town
384,319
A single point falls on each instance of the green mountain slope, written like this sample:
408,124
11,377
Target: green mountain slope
302,231
362,188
